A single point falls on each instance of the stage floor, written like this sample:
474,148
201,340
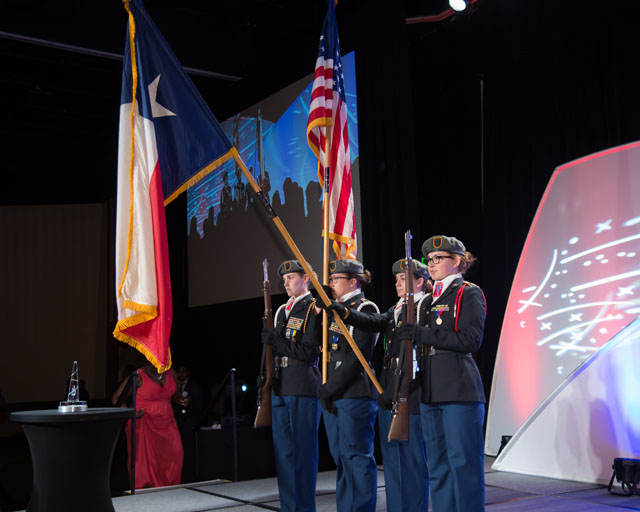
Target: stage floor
504,492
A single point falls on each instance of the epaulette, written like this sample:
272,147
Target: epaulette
469,283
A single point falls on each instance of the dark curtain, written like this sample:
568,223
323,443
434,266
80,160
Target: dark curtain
461,124
502,95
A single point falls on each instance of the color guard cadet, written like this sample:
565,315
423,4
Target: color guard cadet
294,404
349,397
406,476
452,401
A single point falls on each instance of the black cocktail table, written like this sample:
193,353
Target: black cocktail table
71,455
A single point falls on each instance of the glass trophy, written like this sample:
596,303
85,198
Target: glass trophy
73,402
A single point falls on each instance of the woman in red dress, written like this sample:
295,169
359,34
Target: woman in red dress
158,445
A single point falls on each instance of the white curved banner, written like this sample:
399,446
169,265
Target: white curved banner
577,283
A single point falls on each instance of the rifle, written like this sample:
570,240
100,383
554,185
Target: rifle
399,429
263,415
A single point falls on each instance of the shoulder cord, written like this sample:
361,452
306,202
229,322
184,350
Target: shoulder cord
418,306
458,303
275,318
359,308
306,317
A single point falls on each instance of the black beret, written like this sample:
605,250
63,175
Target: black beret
286,267
443,243
347,266
419,268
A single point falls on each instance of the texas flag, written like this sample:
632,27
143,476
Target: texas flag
169,139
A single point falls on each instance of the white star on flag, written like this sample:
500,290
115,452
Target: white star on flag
157,110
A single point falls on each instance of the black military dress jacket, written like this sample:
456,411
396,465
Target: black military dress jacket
386,323
296,351
453,332
346,378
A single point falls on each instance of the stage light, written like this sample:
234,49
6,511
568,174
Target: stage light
244,387
627,472
503,443
458,5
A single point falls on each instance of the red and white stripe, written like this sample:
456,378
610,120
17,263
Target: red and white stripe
143,286
327,109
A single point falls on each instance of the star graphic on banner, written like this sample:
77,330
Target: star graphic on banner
603,226
625,290
575,317
157,110
546,326
576,336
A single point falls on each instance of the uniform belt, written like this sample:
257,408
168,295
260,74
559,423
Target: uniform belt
430,351
284,361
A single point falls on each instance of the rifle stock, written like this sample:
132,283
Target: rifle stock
399,429
263,415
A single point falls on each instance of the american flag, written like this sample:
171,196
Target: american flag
328,110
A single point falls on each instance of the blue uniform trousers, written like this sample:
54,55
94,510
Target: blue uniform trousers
295,421
350,432
454,442
406,477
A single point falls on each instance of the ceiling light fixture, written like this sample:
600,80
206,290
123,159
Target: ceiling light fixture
458,5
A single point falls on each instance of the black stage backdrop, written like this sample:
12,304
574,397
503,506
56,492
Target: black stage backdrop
461,125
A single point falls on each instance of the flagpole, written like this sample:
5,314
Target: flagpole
314,280
325,251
